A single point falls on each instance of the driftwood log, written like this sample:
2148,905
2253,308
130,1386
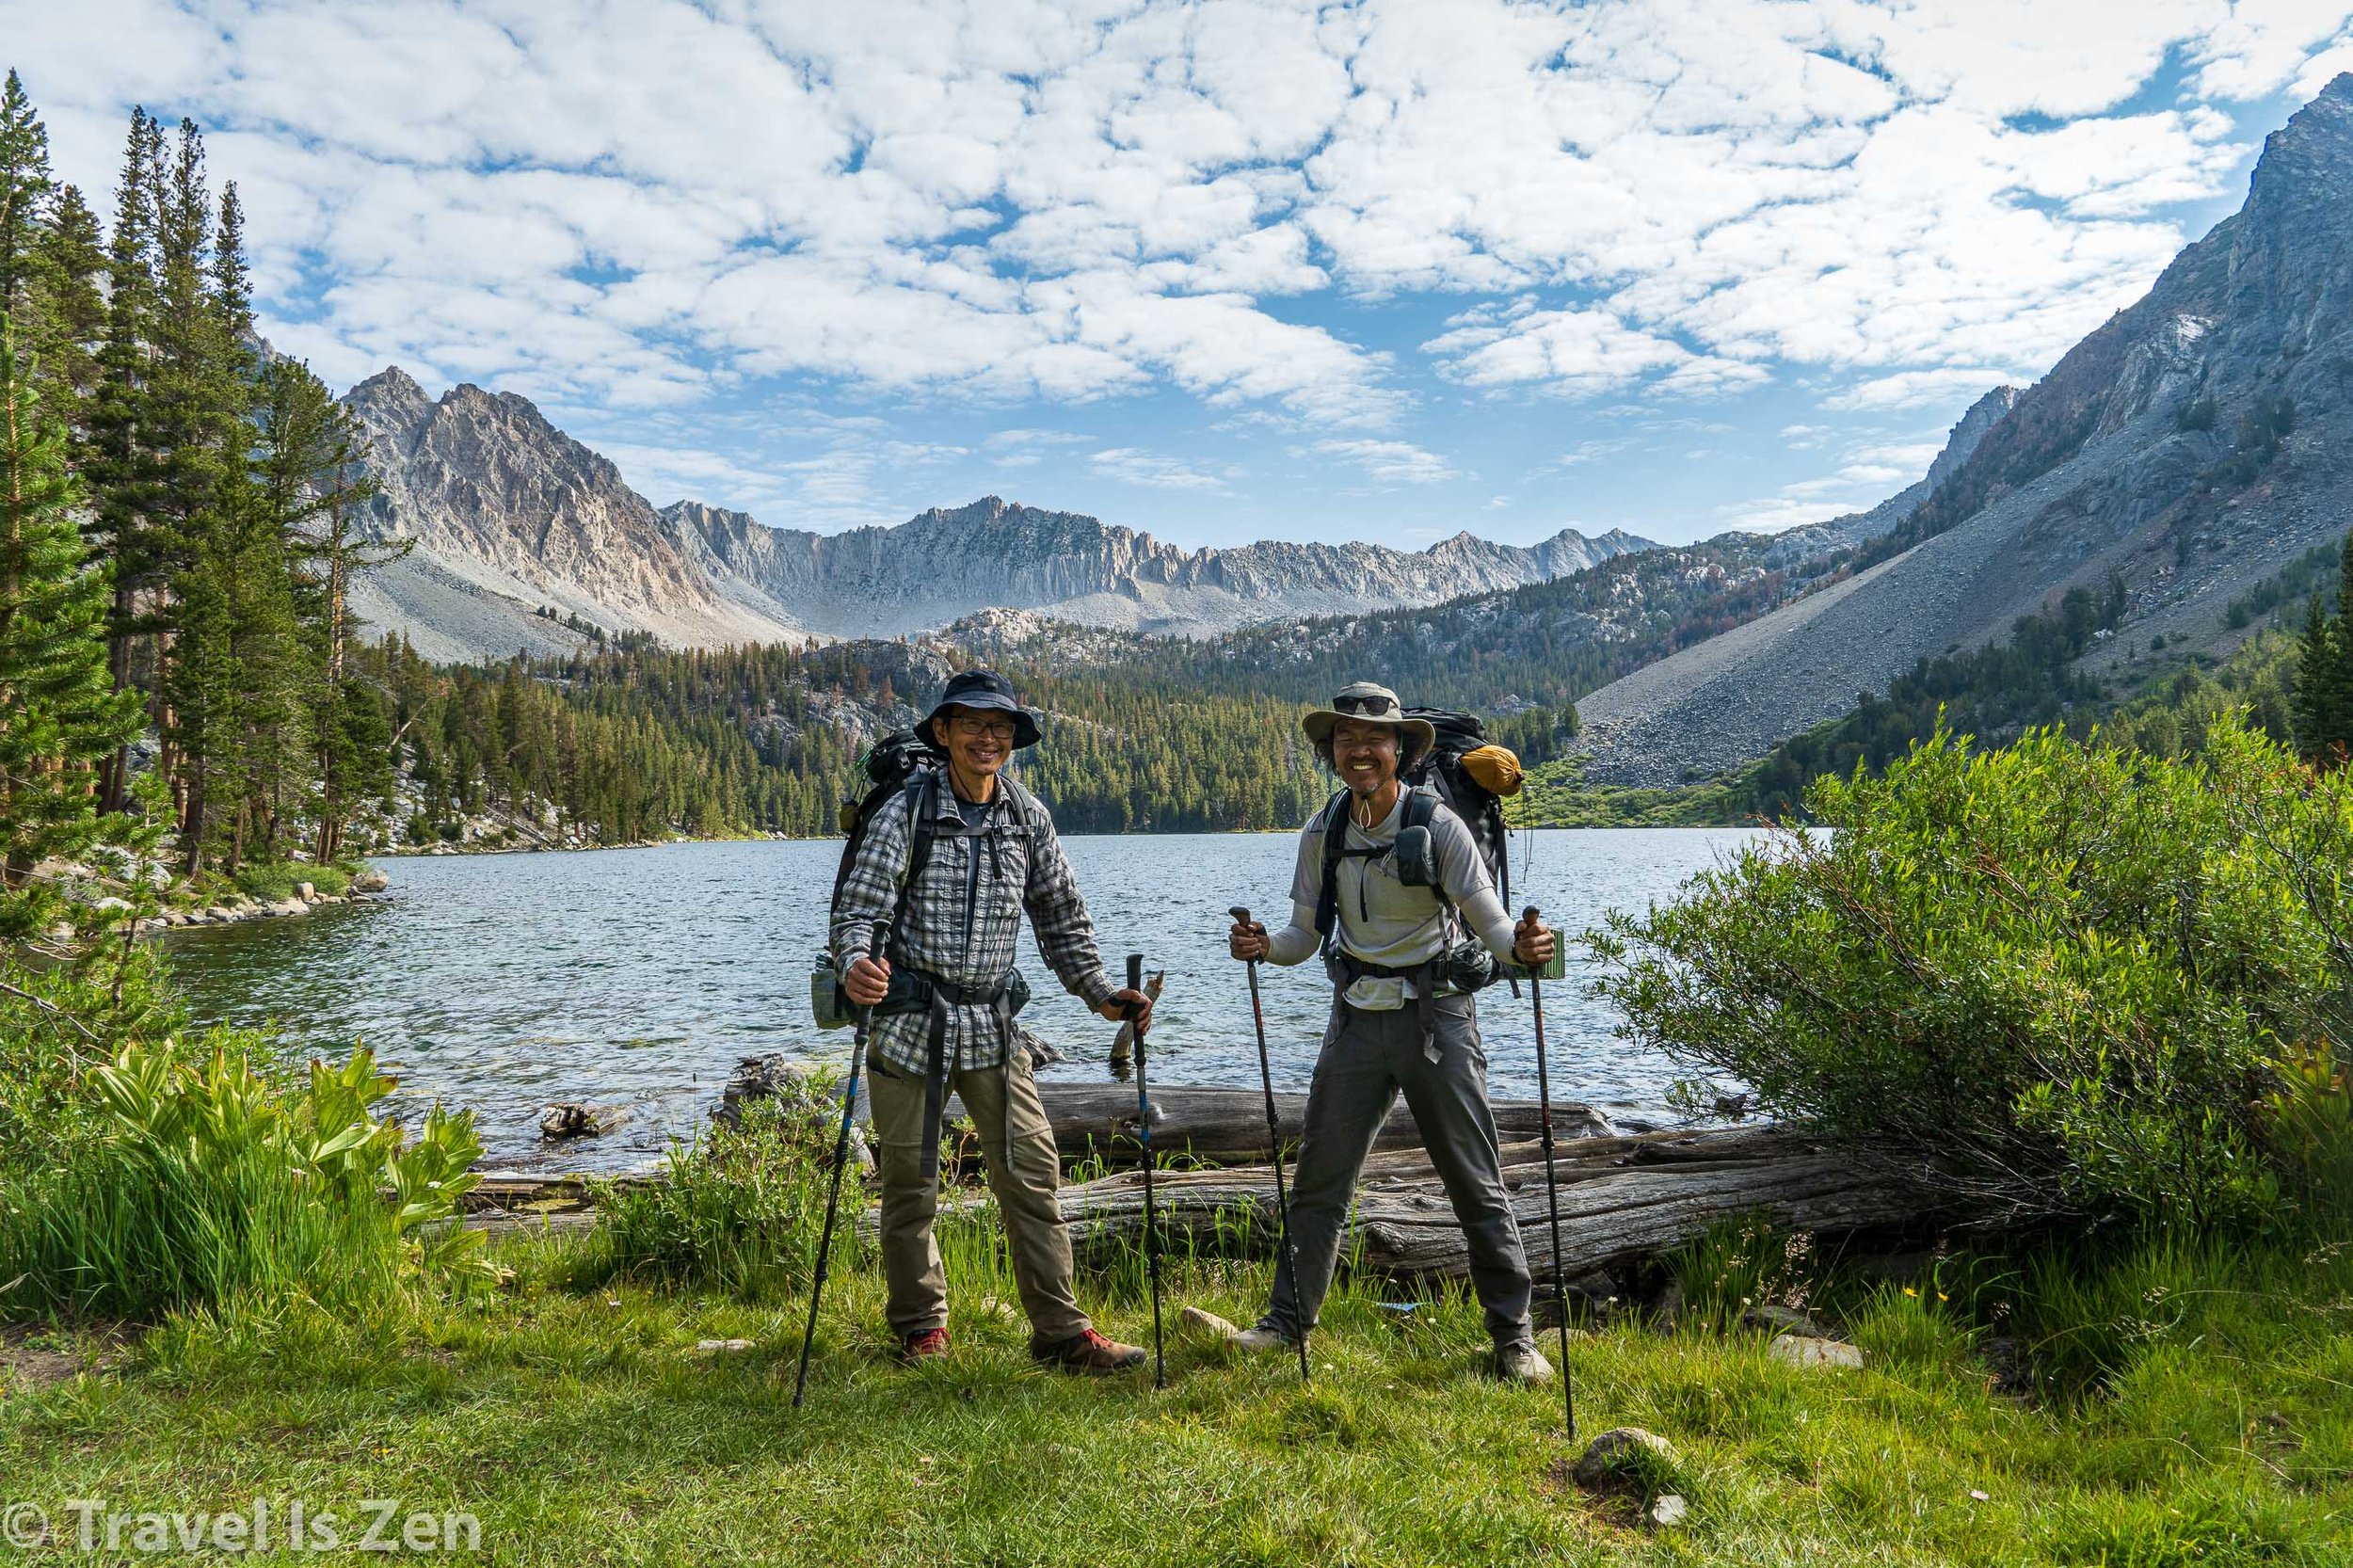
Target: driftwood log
1229,1126
1621,1199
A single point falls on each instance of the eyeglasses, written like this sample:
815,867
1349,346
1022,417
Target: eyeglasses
972,728
1365,706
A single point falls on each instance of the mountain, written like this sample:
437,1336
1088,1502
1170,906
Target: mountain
511,516
508,514
1859,528
2189,447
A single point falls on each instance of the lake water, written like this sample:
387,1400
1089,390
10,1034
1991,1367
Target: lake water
639,976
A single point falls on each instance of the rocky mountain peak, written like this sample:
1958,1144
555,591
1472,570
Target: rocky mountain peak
392,408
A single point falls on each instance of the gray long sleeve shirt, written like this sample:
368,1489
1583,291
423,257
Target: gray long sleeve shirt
1384,921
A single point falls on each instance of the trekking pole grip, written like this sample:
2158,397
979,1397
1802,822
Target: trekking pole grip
1135,978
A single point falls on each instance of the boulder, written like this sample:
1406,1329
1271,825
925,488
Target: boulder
306,892
572,1119
1799,1350
370,881
110,904
1621,1453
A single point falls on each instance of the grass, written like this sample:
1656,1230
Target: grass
571,1415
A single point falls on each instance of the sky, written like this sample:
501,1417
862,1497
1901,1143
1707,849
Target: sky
1222,271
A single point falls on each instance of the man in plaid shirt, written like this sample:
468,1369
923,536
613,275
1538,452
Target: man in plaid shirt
944,997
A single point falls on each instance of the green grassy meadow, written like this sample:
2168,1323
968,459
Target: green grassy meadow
2195,1409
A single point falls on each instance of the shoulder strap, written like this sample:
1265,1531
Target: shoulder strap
923,798
1334,820
1421,804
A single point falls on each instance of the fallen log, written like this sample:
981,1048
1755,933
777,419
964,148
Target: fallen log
1229,1126
1621,1199
1097,1121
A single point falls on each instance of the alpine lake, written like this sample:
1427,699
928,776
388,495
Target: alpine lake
638,977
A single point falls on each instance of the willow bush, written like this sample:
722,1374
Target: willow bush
2055,979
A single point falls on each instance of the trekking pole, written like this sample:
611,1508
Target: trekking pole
841,1159
1151,1222
1285,1257
1552,1186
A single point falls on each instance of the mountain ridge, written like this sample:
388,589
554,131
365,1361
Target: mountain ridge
517,528
2188,447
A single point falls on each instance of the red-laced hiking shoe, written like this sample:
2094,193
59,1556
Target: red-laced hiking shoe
927,1346
1089,1353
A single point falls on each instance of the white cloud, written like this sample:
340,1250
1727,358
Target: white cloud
1390,462
644,206
1154,469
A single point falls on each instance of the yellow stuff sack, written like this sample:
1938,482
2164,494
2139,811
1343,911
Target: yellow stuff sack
1495,770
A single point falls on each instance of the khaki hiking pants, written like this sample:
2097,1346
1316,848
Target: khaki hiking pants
1023,1174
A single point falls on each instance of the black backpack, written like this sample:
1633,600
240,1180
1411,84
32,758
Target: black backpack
1441,768
897,764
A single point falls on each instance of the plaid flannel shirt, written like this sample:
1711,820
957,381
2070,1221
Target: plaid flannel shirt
1013,862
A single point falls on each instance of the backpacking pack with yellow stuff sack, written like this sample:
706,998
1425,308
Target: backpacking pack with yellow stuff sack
1473,775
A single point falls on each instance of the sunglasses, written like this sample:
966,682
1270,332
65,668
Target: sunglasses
1365,706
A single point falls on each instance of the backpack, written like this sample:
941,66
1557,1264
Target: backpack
897,764
1482,809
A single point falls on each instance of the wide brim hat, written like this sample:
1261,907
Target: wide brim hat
983,689
1366,702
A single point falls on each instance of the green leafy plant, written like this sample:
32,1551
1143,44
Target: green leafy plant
740,1207
210,1178
2053,979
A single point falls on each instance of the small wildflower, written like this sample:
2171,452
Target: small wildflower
1910,1291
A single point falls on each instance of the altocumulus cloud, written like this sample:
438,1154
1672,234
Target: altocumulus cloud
646,204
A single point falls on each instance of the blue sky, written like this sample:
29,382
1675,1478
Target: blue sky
1223,271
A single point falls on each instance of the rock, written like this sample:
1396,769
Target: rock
221,912
1799,1350
1666,1510
290,906
370,881
1610,1458
722,1347
572,1119
110,904
1667,1311
306,892
176,916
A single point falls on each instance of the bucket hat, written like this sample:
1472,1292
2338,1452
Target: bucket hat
981,689
1367,703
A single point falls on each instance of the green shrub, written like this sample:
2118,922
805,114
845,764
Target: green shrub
207,1177
2053,979
742,1207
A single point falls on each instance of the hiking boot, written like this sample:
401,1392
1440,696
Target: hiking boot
1088,1352
1522,1363
925,1345
1260,1336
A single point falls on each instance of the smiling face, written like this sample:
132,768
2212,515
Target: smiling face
1364,755
978,741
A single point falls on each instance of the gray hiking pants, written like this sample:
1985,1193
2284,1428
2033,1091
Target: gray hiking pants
1367,1058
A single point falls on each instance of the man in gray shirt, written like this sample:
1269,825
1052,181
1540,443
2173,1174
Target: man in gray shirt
1388,923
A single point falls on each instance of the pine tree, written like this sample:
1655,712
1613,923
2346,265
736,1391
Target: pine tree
23,194
122,464
59,714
